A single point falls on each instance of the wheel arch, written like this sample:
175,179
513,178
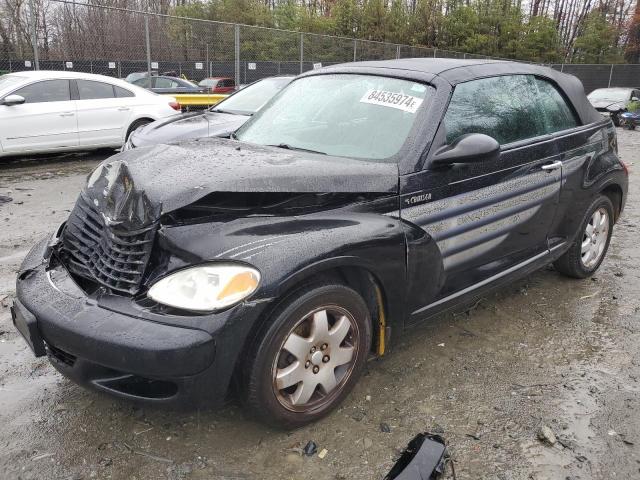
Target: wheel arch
146,118
353,274
346,271
614,192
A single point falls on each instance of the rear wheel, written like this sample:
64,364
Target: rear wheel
310,356
591,245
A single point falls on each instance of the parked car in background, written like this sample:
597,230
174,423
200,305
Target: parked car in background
168,85
219,121
613,101
49,111
218,84
132,77
362,200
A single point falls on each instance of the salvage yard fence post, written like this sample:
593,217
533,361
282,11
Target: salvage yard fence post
148,43
34,34
301,52
236,42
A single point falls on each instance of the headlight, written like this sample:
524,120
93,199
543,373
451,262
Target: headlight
207,287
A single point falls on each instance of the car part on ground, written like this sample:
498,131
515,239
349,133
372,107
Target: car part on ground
49,111
356,195
424,459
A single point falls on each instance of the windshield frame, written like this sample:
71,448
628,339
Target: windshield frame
413,138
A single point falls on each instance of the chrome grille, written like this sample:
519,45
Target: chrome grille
113,257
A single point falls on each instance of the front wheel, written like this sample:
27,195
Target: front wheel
591,244
309,357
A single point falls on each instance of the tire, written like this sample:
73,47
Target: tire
306,393
135,125
576,262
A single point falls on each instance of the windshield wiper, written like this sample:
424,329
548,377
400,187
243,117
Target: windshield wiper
300,149
217,110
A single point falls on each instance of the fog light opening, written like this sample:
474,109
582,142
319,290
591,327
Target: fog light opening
140,387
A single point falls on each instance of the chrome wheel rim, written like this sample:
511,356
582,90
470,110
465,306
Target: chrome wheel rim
316,359
594,239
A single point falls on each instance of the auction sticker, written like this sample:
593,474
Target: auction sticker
407,103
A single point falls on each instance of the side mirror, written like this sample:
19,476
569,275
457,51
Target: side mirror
10,100
468,148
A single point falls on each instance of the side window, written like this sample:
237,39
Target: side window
503,107
46,91
144,82
557,114
165,83
89,90
123,92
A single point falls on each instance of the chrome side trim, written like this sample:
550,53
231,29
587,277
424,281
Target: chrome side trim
488,280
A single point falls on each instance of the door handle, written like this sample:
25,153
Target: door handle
123,109
552,166
67,114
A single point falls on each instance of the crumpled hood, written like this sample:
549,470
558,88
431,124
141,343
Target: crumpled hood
187,126
135,187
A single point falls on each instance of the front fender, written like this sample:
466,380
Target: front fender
290,250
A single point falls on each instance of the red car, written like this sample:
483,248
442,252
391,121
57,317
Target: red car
219,84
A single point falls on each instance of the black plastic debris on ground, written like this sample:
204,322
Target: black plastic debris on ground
5,199
310,448
423,459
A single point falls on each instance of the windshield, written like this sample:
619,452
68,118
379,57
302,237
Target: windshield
611,94
251,99
361,116
132,77
7,81
208,82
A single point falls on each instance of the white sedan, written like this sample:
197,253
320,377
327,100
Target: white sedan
49,111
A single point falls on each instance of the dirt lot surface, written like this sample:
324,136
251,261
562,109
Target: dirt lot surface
547,351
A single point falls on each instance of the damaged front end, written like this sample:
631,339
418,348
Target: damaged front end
110,235
144,218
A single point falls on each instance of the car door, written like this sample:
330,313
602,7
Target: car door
45,121
102,116
488,217
579,147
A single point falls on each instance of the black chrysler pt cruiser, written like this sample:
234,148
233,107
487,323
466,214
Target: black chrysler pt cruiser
363,199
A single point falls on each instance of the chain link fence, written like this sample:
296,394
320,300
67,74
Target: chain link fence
116,42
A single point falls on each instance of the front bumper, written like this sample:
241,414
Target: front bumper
128,356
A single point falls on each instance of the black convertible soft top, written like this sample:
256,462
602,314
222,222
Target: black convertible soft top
455,71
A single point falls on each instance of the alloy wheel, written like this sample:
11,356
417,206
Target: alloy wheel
594,239
316,359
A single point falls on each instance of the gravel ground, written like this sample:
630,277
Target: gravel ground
547,351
